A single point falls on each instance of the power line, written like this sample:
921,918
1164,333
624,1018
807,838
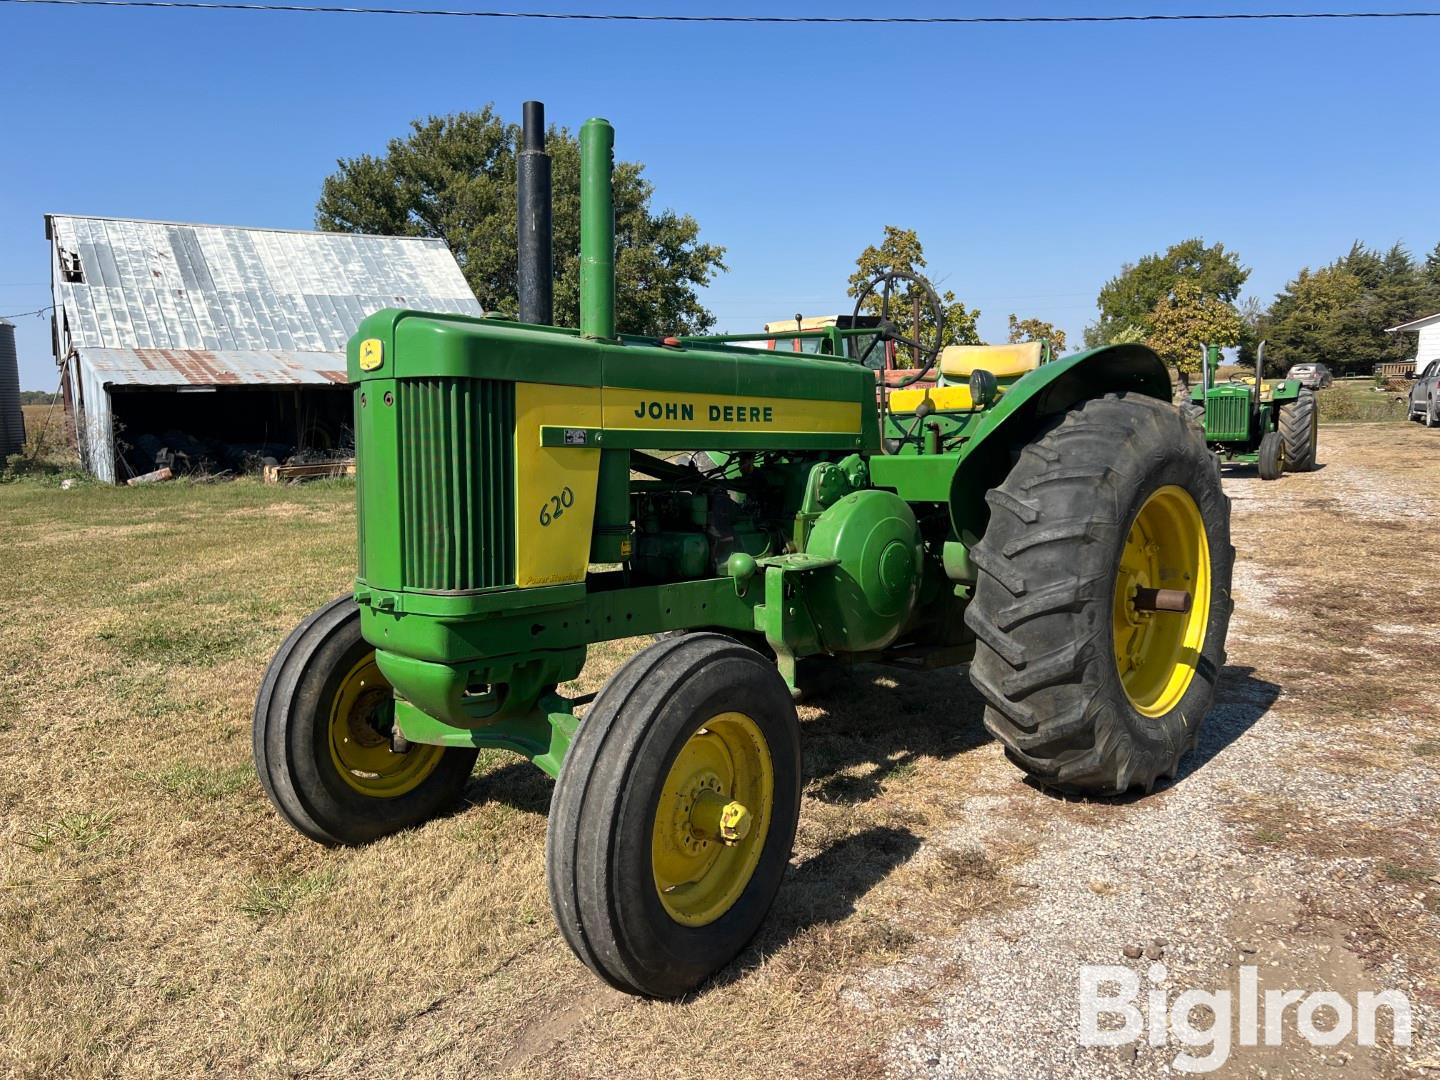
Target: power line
37,311
786,20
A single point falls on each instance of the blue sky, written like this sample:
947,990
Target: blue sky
1033,161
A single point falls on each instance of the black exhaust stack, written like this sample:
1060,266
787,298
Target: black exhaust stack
536,283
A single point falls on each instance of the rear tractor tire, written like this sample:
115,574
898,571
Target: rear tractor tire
674,814
323,739
1272,456
1112,514
1193,410
1299,429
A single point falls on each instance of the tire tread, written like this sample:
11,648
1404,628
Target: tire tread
1298,424
1041,613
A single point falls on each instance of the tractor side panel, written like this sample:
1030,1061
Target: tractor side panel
554,486
775,417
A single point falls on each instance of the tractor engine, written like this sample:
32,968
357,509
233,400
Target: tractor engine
690,530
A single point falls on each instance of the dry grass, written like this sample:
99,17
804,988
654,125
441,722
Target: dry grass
1376,877
156,917
47,451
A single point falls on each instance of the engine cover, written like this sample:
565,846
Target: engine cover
865,601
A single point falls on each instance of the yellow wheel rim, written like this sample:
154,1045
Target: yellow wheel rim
1157,652
360,744
711,819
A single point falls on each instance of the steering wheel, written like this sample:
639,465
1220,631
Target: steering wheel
925,345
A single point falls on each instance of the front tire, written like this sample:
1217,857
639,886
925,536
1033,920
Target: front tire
1088,695
647,887
1272,456
816,676
322,739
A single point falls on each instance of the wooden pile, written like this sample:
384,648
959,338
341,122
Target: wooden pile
291,474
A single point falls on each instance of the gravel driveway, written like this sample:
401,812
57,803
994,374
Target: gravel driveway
1300,840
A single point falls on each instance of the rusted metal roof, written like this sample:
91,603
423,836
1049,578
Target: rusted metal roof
160,303
201,367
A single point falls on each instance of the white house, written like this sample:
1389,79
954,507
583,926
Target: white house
1428,347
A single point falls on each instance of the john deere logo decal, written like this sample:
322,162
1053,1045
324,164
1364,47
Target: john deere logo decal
372,354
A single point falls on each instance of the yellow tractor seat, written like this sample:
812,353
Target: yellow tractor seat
941,398
1002,361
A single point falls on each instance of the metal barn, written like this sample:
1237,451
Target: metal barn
227,342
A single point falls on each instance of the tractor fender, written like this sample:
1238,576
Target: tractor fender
1032,402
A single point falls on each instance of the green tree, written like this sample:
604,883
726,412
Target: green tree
1037,330
1127,301
1304,319
1338,314
1187,320
453,177
901,250
1432,274
1252,317
1127,335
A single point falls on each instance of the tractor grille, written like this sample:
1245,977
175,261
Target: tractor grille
457,483
1227,417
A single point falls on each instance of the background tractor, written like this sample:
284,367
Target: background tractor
1271,424
1057,527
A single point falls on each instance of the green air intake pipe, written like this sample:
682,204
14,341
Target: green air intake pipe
612,540
597,230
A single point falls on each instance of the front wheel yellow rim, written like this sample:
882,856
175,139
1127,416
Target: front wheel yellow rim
1157,652
359,737
711,819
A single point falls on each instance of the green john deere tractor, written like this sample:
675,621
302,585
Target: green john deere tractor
1056,527
1271,424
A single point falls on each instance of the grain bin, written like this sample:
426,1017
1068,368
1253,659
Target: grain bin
12,420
